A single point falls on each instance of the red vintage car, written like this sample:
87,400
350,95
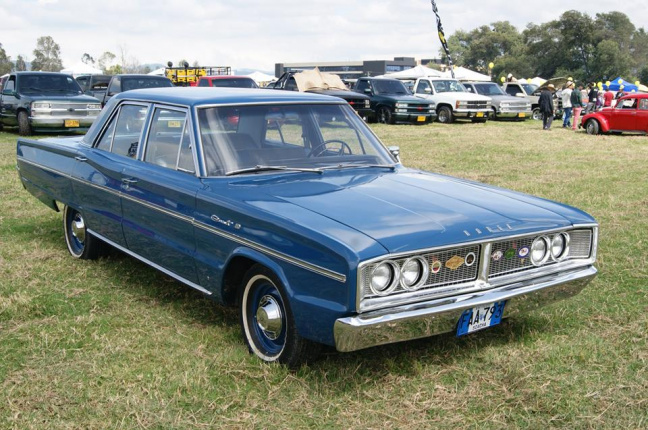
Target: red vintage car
629,115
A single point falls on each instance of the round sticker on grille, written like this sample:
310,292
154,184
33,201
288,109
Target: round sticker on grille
435,267
523,252
497,255
470,259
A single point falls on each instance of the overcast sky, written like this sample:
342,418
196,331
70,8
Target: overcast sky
256,34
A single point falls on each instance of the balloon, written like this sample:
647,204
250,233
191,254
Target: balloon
599,84
620,81
607,83
637,83
491,65
570,78
502,79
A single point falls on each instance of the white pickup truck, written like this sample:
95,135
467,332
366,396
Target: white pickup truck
453,100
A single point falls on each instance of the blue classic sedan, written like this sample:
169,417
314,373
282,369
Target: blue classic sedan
287,206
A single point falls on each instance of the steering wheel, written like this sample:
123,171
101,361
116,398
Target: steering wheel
322,148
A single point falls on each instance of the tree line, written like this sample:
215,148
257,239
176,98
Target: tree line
586,48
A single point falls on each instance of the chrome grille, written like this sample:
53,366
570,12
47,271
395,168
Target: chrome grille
580,244
70,109
477,105
447,274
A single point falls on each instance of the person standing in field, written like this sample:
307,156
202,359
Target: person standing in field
607,98
566,103
577,105
592,98
546,106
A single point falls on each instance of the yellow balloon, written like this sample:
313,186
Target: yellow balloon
491,65
599,84
637,83
620,81
570,78
607,83
502,79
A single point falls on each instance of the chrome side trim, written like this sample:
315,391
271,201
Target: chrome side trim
150,263
246,242
261,248
438,316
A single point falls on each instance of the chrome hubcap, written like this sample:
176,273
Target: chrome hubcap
78,228
269,317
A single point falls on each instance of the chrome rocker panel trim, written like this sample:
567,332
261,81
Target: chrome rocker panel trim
438,316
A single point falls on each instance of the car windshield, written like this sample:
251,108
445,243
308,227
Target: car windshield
389,86
235,83
448,86
129,83
490,89
42,83
251,139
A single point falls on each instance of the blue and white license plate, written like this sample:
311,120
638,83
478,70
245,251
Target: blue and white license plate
480,317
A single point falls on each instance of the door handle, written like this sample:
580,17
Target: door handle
80,158
129,181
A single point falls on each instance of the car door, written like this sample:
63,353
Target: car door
642,115
159,195
9,102
624,116
98,172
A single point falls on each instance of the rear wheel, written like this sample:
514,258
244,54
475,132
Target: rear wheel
267,322
444,115
24,128
536,114
592,126
80,243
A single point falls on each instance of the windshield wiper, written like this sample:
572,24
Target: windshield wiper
391,167
261,168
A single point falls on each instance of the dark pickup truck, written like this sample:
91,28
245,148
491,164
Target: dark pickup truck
94,85
393,102
120,83
43,101
313,81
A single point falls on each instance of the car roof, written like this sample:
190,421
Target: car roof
196,96
226,77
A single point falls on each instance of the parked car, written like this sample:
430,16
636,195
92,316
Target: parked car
43,101
314,81
452,100
227,81
502,105
119,83
630,115
297,214
531,93
94,85
392,102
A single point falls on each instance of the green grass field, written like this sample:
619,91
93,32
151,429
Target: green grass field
115,344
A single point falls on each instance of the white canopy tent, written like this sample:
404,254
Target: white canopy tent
463,74
81,68
158,72
261,78
413,73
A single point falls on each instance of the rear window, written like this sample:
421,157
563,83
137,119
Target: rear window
129,83
235,83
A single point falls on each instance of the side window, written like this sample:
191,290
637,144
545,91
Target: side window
185,160
128,129
11,84
512,90
643,104
165,136
105,143
291,84
422,87
362,86
114,86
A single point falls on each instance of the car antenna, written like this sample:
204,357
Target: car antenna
442,38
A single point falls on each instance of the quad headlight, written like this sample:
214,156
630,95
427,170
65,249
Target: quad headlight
544,247
414,273
384,278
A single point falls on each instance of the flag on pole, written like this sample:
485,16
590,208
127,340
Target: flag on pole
442,38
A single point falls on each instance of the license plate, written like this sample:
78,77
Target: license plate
420,118
521,115
480,317
71,122
479,114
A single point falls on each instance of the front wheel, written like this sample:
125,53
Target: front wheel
592,126
80,243
536,114
267,322
385,115
24,128
444,115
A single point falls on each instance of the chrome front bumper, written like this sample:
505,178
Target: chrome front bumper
58,122
437,316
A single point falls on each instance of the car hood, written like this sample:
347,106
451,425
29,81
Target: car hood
410,209
399,98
